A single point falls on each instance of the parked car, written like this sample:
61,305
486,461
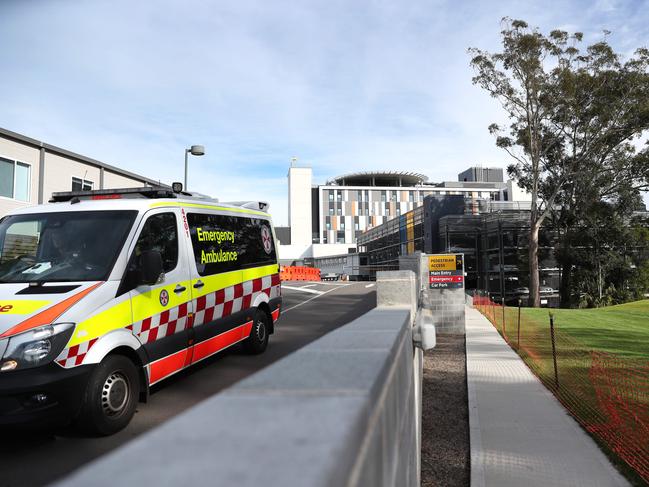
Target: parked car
330,276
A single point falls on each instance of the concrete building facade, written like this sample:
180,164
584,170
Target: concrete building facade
326,219
31,170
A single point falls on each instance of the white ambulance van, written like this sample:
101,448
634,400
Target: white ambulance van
105,293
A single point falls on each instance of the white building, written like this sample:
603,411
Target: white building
325,219
31,170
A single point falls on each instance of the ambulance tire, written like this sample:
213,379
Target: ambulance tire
111,397
257,341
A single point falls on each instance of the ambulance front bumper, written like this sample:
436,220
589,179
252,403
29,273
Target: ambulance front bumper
43,396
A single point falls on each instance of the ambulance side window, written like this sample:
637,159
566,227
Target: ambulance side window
216,241
160,233
257,247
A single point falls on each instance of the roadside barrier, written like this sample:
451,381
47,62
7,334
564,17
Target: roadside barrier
606,393
298,273
304,420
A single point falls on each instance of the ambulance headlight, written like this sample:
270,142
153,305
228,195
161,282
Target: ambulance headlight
35,347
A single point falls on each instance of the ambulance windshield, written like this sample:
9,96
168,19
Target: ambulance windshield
65,246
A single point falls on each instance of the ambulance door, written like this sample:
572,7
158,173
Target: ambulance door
216,285
162,312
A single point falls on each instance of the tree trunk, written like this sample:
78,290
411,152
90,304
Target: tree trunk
535,297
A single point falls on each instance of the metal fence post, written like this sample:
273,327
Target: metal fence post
518,339
491,308
554,351
502,300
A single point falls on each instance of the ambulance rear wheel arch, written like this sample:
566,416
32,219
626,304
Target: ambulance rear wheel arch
266,309
261,302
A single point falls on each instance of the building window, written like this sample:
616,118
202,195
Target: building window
342,225
339,195
411,196
79,184
357,226
398,212
340,237
15,179
387,211
328,225
394,196
383,196
331,210
339,211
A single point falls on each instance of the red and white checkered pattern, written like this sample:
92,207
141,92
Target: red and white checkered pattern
73,356
162,325
212,306
226,301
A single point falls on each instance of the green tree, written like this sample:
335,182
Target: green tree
573,119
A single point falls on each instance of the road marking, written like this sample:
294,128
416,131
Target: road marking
371,285
308,300
303,289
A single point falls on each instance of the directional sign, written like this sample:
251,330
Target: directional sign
446,271
446,279
445,262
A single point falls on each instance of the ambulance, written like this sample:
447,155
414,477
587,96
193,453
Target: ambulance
105,293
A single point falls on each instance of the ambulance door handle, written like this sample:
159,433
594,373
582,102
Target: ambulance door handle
179,289
199,284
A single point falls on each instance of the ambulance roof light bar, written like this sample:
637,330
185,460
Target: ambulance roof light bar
143,192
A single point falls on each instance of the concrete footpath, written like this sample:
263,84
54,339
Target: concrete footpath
520,434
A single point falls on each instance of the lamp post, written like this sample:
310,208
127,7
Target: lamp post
195,150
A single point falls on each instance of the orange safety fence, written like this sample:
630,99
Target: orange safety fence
298,273
606,393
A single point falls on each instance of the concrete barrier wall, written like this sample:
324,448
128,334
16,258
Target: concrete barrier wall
340,411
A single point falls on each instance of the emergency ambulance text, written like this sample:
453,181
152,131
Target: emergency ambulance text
214,236
213,256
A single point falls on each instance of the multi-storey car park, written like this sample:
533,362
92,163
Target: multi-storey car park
492,235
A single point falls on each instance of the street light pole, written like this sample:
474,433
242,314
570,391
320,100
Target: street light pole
195,150
186,152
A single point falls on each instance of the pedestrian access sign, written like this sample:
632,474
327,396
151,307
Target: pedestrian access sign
446,271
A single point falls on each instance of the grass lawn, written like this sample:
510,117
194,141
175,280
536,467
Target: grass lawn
621,329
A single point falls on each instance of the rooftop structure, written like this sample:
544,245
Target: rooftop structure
379,178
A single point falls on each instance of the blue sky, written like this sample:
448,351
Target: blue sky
342,85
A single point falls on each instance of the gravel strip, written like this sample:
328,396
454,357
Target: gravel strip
445,423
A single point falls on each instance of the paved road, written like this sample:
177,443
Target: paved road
310,311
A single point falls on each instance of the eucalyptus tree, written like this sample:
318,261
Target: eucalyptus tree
575,119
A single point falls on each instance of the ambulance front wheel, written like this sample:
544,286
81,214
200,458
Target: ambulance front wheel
257,341
111,397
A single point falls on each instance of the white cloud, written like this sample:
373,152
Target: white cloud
346,86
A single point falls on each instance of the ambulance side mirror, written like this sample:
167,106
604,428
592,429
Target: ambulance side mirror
150,267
